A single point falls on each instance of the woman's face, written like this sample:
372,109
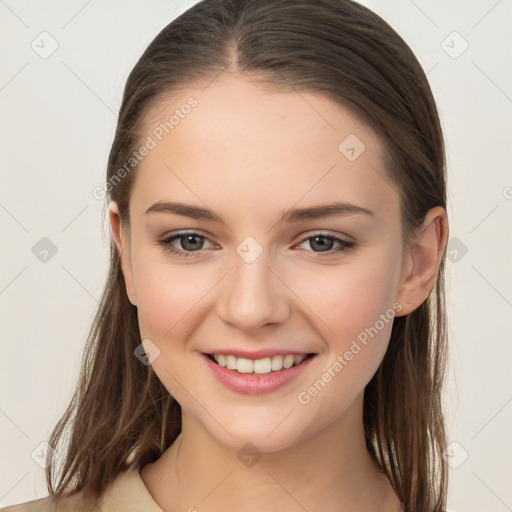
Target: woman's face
263,279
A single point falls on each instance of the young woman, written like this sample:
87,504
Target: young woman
272,331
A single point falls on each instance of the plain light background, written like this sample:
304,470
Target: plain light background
57,122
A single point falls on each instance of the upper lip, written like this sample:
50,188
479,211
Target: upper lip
257,354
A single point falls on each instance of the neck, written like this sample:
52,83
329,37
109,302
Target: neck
330,470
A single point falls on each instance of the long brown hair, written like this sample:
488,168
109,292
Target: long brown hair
348,53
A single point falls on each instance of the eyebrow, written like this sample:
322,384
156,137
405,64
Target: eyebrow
293,215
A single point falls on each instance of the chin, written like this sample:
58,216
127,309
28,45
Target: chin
268,436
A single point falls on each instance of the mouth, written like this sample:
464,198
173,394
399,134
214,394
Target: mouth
264,366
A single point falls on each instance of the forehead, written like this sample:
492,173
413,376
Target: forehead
247,145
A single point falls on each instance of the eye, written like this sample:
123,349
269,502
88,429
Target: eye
324,243
321,242
190,242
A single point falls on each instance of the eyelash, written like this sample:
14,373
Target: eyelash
345,244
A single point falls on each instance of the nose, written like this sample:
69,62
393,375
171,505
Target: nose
253,295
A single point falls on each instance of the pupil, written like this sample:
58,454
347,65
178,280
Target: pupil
322,246
189,238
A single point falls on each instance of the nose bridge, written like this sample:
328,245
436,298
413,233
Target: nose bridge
252,295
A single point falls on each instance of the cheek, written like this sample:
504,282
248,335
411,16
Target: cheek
166,296
354,311
168,301
353,307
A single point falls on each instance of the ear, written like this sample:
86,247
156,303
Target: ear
421,261
122,241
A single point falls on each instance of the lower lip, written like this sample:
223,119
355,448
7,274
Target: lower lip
250,384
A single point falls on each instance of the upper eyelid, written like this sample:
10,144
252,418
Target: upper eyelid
326,233
184,233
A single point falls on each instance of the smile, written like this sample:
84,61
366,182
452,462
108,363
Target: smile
259,366
256,376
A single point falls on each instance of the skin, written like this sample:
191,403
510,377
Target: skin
249,153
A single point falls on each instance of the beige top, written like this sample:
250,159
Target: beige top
127,493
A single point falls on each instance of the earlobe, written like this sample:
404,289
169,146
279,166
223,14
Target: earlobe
422,261
122,244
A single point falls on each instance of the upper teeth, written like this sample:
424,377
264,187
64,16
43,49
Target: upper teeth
261,366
